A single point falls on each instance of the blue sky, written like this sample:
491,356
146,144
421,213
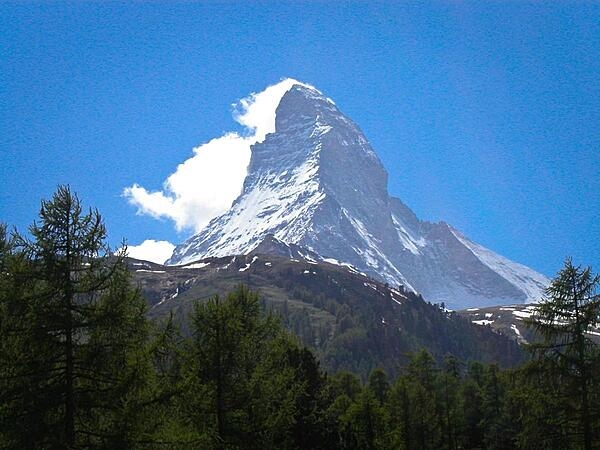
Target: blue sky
486,115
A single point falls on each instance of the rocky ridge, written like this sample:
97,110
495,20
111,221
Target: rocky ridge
316,183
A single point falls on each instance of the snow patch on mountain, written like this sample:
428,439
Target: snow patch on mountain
407,239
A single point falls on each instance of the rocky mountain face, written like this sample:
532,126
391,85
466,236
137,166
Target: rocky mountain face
316,183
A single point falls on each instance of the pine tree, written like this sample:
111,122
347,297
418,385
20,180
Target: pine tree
400,412
448,381
229,341
79,326
415,411
470,407
22,413
564,320
379,384
247,383
366,420
288,398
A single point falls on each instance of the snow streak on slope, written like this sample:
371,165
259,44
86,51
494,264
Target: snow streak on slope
409,242
526,279
268,209
373,256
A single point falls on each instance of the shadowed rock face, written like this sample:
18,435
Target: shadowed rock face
317,183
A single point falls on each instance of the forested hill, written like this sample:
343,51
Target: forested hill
350,320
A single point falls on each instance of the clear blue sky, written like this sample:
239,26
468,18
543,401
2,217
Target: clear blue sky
485,115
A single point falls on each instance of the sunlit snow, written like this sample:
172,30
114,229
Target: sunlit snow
199,265
483,322
526,279
205,185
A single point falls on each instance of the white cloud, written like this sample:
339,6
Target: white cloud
151,250
205,185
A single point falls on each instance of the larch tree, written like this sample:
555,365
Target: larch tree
78,326
565,320
229,339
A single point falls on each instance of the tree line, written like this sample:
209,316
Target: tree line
81,366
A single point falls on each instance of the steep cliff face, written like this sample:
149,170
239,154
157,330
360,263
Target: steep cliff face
317,183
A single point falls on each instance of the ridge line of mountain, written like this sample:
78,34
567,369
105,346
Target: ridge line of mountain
317,183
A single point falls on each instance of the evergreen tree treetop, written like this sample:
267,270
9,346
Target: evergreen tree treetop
73,327
564,320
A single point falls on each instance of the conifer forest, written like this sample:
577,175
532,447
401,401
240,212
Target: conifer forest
82,366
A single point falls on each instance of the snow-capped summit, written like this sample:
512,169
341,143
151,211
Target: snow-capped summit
317,183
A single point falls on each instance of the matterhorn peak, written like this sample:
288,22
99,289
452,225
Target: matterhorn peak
315,183
257,111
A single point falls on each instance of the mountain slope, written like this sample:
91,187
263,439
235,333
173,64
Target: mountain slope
352,321
509,320
317,183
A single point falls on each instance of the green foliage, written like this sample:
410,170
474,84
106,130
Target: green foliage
365,423
345,383
72,328
567,353
81,367
246,383
379,385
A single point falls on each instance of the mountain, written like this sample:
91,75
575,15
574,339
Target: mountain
317,183
509,320
351,321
